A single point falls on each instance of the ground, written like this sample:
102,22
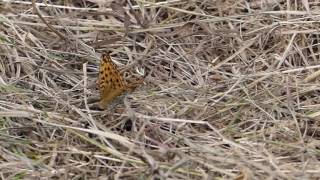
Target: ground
228,89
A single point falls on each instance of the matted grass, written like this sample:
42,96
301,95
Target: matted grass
230,90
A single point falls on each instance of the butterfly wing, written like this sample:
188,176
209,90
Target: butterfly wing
111,82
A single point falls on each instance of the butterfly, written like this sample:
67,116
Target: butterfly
111,82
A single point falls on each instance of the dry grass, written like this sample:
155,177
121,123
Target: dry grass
231,90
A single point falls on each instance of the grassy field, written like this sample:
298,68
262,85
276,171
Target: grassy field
230,89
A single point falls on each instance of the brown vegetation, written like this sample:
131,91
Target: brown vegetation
230,89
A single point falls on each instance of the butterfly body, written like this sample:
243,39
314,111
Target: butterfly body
111,82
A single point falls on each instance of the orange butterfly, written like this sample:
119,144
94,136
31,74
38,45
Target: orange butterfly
111,82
